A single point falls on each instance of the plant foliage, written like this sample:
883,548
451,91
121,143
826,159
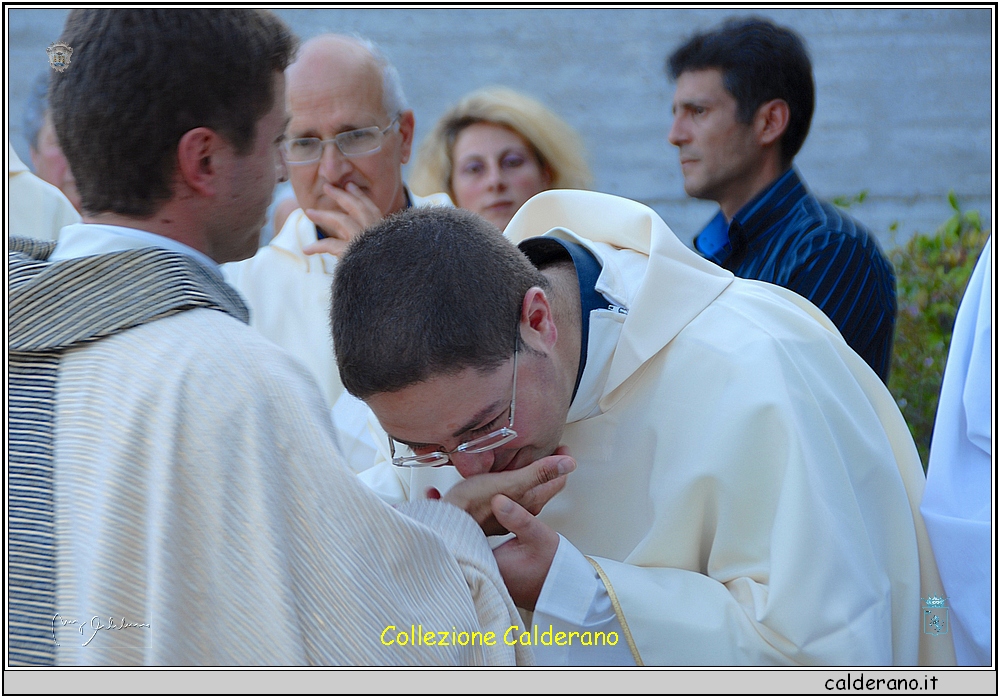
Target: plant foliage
932,272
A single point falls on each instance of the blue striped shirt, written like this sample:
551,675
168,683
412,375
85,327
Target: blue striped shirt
786,236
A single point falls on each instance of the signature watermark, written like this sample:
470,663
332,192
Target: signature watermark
96,625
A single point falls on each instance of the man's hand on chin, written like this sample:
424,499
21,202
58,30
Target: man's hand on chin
356,213
531,487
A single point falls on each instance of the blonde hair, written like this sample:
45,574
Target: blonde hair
554,142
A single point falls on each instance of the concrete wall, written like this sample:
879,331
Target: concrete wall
903,95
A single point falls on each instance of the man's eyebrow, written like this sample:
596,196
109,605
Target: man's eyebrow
412,444
315,132
470,425
688,103
479,418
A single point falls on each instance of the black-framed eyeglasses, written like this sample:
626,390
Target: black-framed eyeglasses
351,144
492,440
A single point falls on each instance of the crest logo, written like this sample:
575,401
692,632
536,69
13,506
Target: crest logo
59,55
935,615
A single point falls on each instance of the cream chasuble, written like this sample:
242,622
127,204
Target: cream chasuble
201,514
37,209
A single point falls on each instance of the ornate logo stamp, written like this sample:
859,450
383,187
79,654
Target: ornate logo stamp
59,55
935,615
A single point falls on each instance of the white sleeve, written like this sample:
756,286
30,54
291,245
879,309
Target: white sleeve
574,599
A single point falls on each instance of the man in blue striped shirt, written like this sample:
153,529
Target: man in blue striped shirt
742,107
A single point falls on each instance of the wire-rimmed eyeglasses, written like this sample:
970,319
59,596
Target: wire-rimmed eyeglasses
484,443
351,144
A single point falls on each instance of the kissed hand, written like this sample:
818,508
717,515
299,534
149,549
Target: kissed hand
531,486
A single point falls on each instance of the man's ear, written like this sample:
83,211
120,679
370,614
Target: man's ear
771,121
406,126
538,327
197,152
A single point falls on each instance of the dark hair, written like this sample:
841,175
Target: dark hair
760,61
139,79
426,292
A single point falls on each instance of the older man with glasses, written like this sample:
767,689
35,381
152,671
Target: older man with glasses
349,135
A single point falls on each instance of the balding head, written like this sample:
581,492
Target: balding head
337,52
339,84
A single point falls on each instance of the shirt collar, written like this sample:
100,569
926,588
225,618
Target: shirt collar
773,203
84,239
605,290
588,270
719,241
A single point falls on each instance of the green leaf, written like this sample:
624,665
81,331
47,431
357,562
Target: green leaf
932,272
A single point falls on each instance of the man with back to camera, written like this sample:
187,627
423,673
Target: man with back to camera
746,489
742,108
349,136
175,495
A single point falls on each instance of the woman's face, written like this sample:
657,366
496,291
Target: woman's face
494,172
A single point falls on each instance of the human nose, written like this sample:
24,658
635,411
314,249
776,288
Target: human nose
678,132
495,178
469,464
332,163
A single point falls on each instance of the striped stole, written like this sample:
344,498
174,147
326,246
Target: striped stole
53,306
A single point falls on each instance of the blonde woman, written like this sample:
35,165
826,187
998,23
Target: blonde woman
494,150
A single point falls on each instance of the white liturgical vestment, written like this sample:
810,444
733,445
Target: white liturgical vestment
201,514
746,487
956,504
37,209
288,293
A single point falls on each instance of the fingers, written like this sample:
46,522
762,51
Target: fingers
513,517
533,485
546,477
524,562
550,468
356,212
329,245
537,497
339,227
355,203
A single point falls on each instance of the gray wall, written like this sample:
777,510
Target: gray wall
903,95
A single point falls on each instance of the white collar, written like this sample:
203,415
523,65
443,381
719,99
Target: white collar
87,239
621,273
